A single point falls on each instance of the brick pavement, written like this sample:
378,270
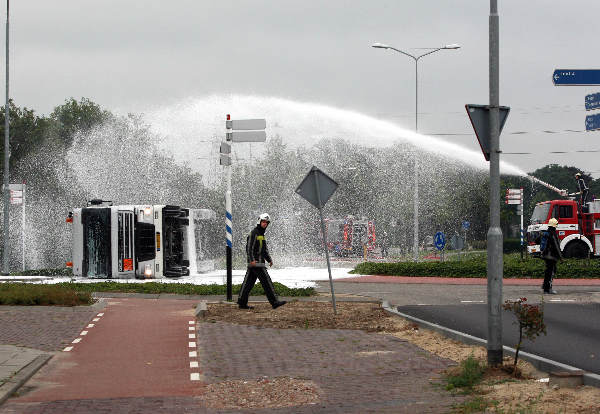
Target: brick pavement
47,328
398,381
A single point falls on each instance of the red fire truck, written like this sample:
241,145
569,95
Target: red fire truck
578,228
350,236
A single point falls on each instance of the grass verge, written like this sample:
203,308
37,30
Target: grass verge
24,294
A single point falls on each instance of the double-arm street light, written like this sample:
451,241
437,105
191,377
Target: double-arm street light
416,196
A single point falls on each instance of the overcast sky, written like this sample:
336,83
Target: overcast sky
127,55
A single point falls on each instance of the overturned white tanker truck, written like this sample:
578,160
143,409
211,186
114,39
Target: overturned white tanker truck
135,241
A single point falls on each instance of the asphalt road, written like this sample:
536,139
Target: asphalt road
572,317
573,330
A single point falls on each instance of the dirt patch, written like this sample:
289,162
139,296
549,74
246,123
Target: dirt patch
502,391
261,393
368,317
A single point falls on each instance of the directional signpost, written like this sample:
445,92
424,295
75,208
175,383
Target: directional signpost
17,196
515,196
479,117
582,77
237,130
576,77
592,122
592,101
316,188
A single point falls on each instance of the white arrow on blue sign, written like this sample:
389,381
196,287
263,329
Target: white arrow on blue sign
592,101
440,240
576,77
592,122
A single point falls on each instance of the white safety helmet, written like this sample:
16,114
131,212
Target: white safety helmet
553,222
265,217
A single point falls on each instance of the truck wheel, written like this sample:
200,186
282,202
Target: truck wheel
576,249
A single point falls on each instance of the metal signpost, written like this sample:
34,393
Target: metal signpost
17,196
6,245
576,77
241,130
316,188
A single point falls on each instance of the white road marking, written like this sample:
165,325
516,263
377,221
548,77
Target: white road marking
67,349
191,328
100,314
91,325
96,319
193,364
83,333
562,300
192,322
76,341
422,304
193,354
192,344
194,376
192,336
471,301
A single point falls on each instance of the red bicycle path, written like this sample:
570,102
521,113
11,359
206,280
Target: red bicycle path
464,280
136,348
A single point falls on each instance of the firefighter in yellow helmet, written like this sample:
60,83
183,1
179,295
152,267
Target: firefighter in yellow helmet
550,252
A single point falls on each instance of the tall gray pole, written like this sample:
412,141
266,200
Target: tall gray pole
494,236
6,251
416,196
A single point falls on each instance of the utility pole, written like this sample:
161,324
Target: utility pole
494,236
6,251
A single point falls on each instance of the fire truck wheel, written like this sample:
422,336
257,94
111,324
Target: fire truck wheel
576,249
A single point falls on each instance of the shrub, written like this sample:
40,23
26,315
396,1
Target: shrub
476,266
530,319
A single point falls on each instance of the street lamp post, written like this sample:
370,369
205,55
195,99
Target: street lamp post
416,165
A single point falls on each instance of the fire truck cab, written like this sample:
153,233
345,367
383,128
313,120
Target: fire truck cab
350,236
578,229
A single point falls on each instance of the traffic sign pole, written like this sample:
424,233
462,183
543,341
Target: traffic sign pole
229,229
494,235
238,130
317,188
325,242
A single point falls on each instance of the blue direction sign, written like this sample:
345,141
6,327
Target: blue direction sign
592,101
576,77
439,240
466,225
592,122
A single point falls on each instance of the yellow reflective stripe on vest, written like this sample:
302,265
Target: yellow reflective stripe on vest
260,242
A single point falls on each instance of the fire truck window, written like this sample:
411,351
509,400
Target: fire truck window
555,212
565,212
597,224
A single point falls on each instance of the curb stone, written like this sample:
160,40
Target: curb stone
16,381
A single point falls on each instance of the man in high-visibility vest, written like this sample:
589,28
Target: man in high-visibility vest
257,256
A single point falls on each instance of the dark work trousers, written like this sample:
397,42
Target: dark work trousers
265,280
549,275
